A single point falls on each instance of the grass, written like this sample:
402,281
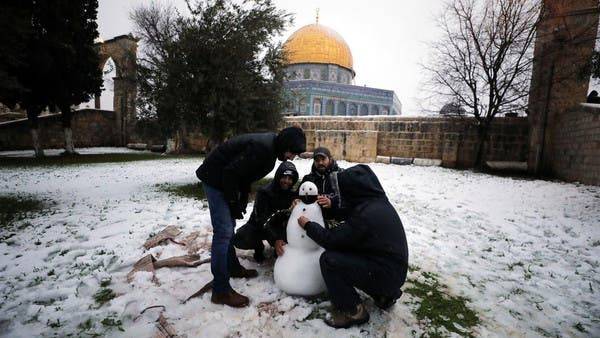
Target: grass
195,190
103,296
15,208
84,159
440,312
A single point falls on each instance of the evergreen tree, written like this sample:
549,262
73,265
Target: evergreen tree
218,69
54,64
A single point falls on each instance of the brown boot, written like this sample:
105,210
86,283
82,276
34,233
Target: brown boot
230,298
345,319
242,272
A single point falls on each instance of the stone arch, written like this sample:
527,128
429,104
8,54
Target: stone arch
375,110
123,51
341,108
317,103
329,107
364,110
352,109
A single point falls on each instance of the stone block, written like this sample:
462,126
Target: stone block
383,159
427,162
401,160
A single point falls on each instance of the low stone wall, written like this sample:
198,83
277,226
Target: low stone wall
576,145
91,128
453,140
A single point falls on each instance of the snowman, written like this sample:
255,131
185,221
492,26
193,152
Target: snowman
297,271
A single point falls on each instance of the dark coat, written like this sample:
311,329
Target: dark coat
268,220
235,164
322,181
270,198
372,227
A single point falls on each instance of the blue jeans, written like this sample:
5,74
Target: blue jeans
222,252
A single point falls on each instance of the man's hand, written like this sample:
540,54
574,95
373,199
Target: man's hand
279,244
324,201
302,221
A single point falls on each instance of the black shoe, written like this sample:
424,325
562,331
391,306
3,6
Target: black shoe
343,319
385,302
259,256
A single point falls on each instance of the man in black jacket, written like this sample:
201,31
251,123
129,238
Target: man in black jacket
271,198
323,165
368,251
226,175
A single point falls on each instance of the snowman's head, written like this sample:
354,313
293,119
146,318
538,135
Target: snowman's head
308,192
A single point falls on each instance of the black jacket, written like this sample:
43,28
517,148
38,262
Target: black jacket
322,181
270,198
373,227
235,164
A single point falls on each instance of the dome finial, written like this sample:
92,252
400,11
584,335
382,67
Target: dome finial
317,16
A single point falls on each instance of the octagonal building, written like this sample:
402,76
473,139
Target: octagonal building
320,78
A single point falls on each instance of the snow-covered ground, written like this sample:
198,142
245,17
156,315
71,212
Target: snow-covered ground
56,152
525,252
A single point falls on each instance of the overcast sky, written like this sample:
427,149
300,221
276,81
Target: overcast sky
387,37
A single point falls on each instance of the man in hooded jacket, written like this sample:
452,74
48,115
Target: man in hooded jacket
368,251
271,198
226,175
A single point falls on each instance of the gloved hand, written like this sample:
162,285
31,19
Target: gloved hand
235,210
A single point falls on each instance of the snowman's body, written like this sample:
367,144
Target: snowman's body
297,271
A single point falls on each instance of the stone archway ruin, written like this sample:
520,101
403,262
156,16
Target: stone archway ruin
122,50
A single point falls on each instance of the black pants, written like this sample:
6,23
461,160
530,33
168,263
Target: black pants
376,276
250,237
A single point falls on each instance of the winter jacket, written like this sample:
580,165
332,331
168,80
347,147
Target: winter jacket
322,181
270,199
372,227
235,164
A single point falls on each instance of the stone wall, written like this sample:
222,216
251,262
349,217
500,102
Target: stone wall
453,140
91,128
565,41
576,145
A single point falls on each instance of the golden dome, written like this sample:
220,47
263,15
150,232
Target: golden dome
318,44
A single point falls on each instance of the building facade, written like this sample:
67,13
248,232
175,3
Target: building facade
320,78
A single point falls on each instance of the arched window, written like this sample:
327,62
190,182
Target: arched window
364,110
303,106
329,107
375,110
352,109
317,107
341,108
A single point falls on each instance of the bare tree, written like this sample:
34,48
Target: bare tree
484,59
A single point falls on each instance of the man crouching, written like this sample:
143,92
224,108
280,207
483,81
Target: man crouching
368,251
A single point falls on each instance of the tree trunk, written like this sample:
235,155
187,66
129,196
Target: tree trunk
32,116
69,147
482,131
66,123
35,139
175,143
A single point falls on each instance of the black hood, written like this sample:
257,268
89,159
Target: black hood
290,139
356,185
283,167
